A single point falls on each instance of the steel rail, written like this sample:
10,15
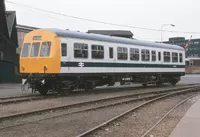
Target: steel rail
17,97
20,100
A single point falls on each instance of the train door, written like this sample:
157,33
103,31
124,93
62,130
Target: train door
64,53
111,54
111,59
160,57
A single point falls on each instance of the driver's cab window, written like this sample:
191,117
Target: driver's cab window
45,49
63,49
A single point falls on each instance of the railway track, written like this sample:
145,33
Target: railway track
91,131
160,120
87,103
99,101
20,99
85,109
86,106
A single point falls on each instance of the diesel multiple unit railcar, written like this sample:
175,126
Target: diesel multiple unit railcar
53,59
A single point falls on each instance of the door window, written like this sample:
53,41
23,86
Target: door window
63,49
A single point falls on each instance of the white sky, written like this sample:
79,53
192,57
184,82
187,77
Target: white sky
184,14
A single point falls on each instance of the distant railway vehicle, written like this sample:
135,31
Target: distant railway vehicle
53,59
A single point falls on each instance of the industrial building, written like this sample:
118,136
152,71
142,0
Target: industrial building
9,61
192,54
116,33
22,30
11,38
194,45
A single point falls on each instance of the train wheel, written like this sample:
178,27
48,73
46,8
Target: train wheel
111,81
89,86
174,82
43,90
71,88
158,83
144,85
122,82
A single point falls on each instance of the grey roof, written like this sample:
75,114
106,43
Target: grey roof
118,33
98,37
25,28
10,17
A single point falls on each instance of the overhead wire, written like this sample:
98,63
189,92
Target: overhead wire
96,21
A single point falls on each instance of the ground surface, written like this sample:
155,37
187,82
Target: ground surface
70,125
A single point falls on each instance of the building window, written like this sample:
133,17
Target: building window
45,49
174,57
122,53
63,49
134,54
110,52
166,56
97,52
153,55
80,50
35,49
180,57
145,55
26,49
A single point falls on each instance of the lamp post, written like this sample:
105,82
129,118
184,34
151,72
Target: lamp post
163,26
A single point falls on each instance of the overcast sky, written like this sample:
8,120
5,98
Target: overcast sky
184,14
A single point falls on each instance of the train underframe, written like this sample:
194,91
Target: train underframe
59,83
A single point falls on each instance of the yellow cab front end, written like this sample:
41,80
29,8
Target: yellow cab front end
40,53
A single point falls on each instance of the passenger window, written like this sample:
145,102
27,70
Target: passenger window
64,49
97,52
80,50
26,49
122,53
134,54
153,55
166,56
174,57
145,55
45,49
159,56
35,49
110,52
180,57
